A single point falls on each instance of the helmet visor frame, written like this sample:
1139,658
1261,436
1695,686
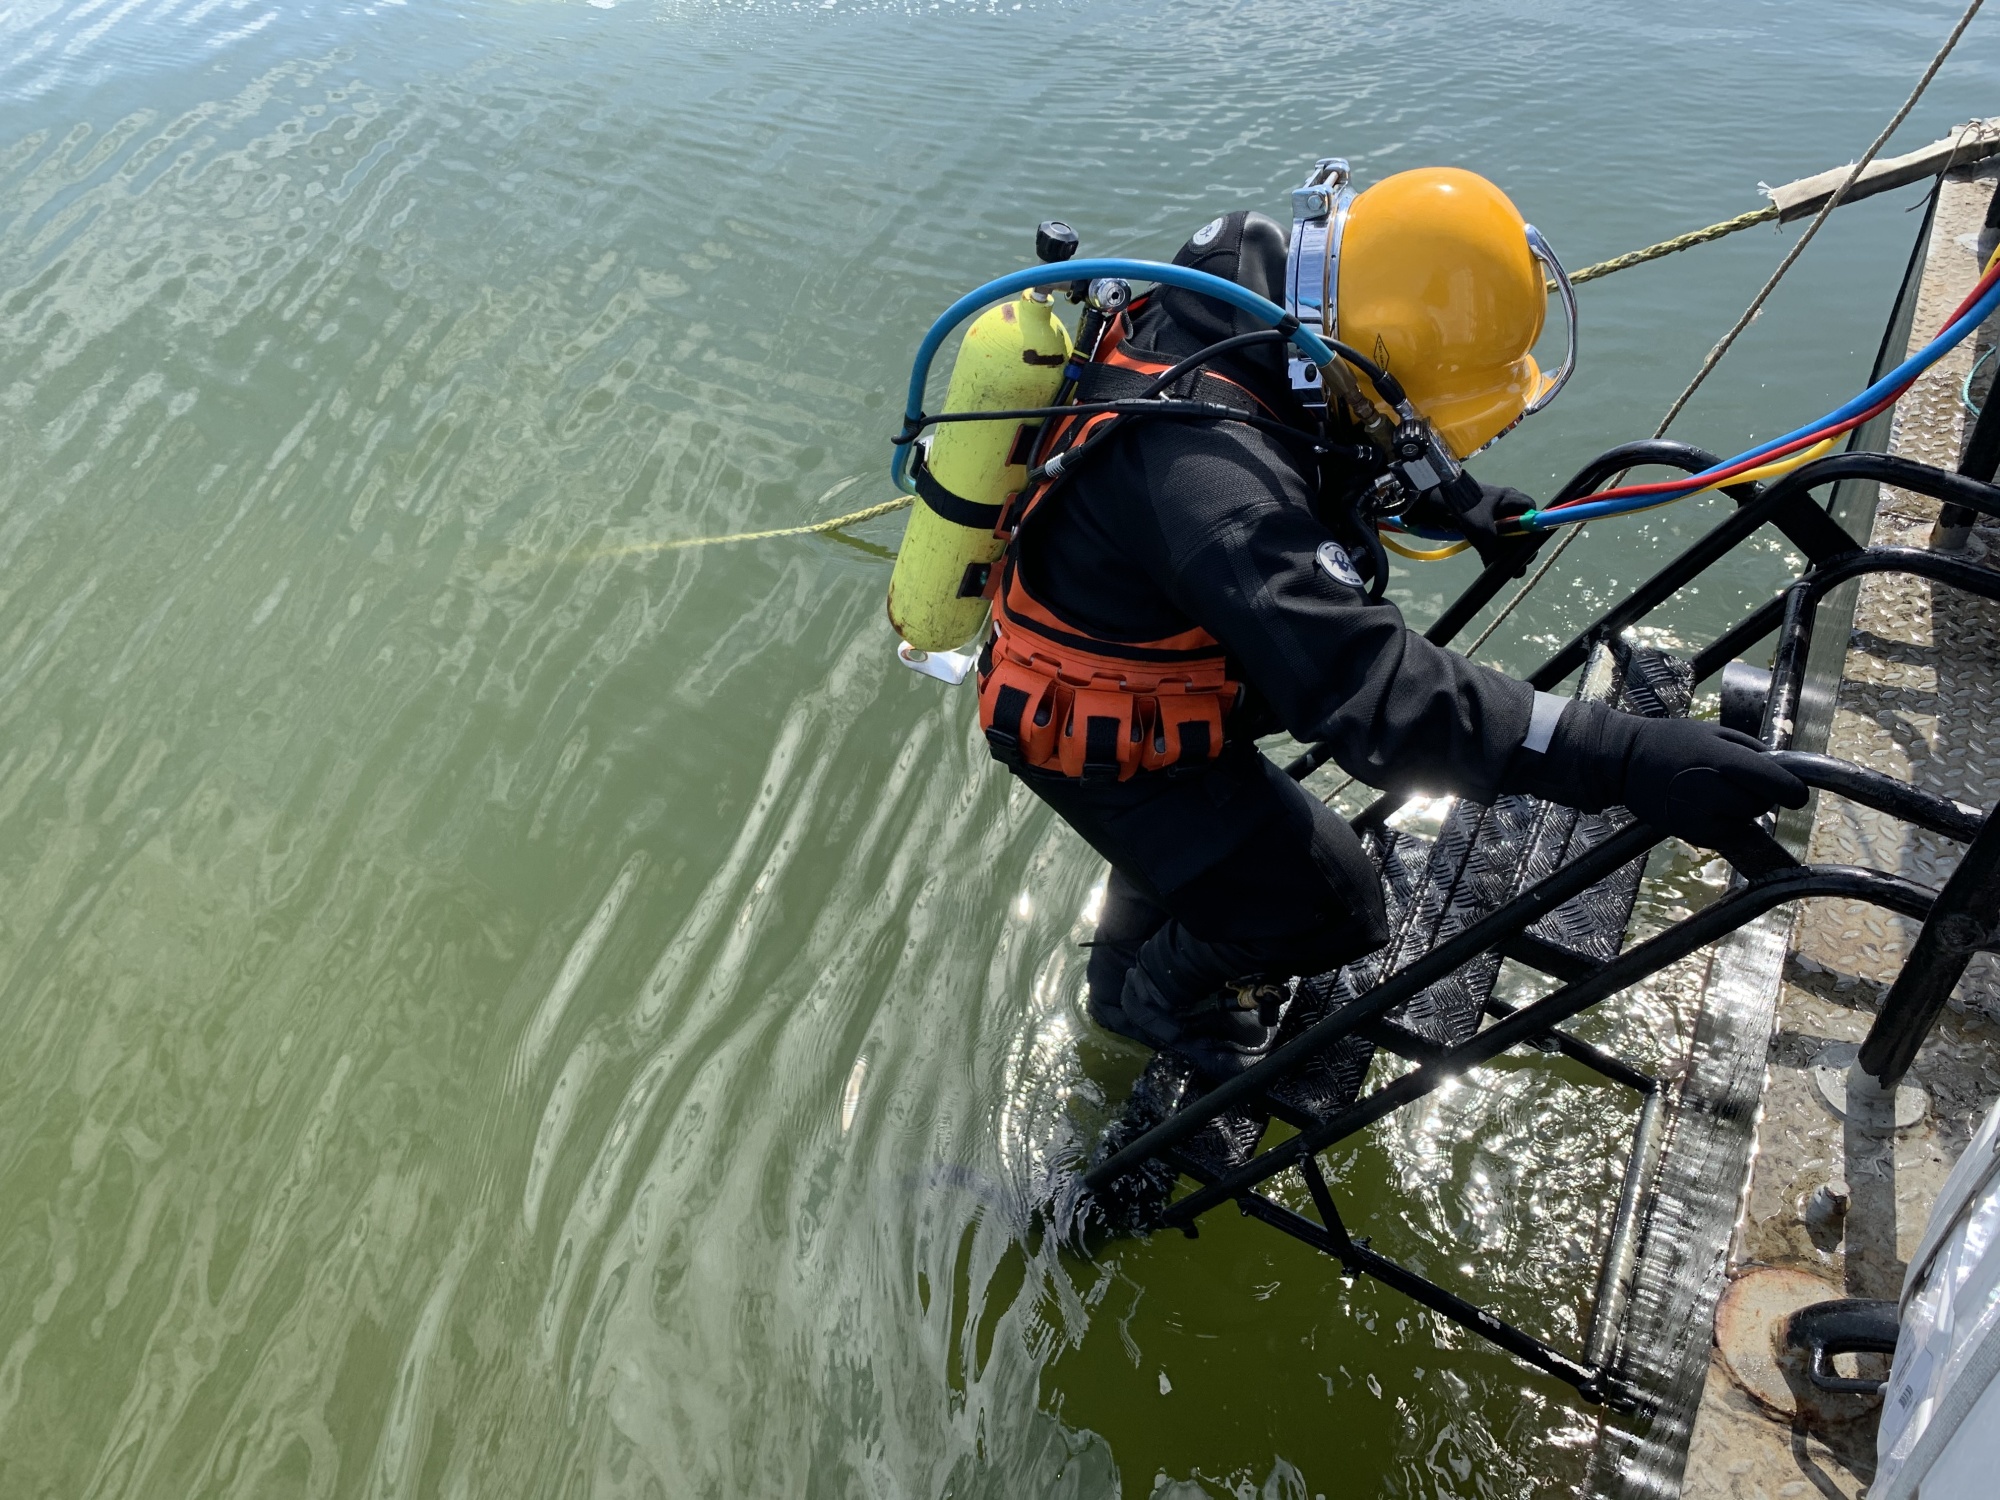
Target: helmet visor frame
1312,265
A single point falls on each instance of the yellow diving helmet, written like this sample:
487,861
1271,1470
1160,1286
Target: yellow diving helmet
1434,275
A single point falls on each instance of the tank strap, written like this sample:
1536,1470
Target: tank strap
953,507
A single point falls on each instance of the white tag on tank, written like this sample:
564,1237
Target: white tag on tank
1337,565
1207,233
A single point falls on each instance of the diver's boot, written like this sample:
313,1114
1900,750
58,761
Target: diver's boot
1235,1029
1222,1031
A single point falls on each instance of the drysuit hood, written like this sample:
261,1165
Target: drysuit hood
1245,247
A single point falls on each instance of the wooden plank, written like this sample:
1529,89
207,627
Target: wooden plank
1974,141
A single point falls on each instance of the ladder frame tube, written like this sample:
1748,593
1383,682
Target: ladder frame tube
1801,610
1621,1251
1760,622
1792,491
1961,923
1591,1379
1884,793
1603,1064
1612,461
1358,1259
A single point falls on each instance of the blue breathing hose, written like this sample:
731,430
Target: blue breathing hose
1315,349
1310,344
1904,373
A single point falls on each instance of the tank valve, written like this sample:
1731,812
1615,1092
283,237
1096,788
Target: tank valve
1108,294
1055,241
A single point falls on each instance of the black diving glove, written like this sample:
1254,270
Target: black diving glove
1477,511
1693,779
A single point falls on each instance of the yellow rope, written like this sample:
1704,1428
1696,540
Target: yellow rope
1686,241
817,528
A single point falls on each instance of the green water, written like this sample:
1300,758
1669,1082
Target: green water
492,1007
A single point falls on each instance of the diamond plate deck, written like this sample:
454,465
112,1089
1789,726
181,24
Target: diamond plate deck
1913,694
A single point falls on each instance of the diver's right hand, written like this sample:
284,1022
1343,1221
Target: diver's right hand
1693,779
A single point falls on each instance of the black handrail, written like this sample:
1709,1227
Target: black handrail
1961,923
1884,793
1801,607
1883,468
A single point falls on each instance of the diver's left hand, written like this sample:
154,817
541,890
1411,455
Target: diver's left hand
1478,517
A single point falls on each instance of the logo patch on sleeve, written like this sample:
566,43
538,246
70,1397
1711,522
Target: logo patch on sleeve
1337,565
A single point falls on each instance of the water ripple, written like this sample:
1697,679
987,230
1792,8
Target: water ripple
493,1005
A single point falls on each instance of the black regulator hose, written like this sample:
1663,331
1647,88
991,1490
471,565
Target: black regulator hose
1213,351
1378,564
1390,388
1386,385
1193,411
1065,463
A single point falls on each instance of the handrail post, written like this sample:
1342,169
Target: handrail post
1961,923
1981,461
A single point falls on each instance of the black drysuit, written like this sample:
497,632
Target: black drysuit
1231,870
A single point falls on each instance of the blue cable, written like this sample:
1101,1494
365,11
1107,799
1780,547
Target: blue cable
1907,371
1061,274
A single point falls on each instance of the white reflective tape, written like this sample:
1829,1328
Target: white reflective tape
1542,722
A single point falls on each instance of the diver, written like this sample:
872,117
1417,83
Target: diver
1174,590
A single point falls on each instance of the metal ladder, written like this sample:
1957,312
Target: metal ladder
1553,890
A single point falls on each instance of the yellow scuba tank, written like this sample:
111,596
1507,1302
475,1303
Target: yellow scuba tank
1012,357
